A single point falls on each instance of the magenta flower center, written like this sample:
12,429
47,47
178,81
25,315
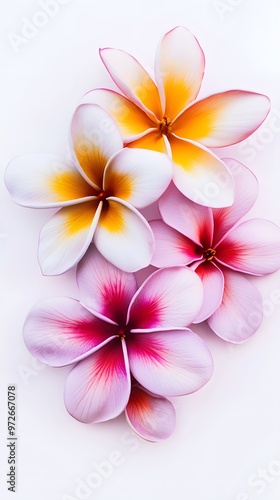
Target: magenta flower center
209,254
164,126
122,333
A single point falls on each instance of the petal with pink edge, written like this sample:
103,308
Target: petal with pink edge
41,181
179,68
123,236
98,388
171,247
168,298
151,417
133,80
241,311
61,331
104,288
213,286
95,138
223,119
169,363
245,194
66,237
190,219
252,247
138,176
131,120
200,175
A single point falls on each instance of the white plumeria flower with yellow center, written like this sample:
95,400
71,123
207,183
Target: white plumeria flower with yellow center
97,194
163,116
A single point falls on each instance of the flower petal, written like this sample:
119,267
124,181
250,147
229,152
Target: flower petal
41,181
200,175
123,236
61,331
150,416
245,195
133,80
168,298
131,120
138,176
153,140
241,312
190,219
223,119
170,363
213,286
66,237
252,247
104,288
171,247
97,389
179,69
95,138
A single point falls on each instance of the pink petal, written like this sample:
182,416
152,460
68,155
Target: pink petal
169,363
179,69
138,176
245,195
95,138
103,288
66,237
123,236
223,119
213,286
168,298
172,248
61,331
190,219
98,388
252,247
132,80
41,181
241,312
152,417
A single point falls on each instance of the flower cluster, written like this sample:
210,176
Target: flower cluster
131,346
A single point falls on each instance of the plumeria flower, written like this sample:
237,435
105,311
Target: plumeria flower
97,194
163,116
222,250
116,330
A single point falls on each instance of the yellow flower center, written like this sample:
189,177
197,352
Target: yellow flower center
209,254
102,195
164,125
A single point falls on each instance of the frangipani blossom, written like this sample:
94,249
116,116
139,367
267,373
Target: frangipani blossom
163,116
96,194
219,250
115,331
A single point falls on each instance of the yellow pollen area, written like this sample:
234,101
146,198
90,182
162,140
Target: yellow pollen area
164,126
209,254
112,218
120,184
70,186
78,218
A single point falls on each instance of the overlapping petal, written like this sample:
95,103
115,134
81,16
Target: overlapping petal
179,68
198,174
171,247
98,388
67,236
252,247
61,331
95,138
41,181
103,288
123,236
213,287
168,298
223,119
241,311
150,416
153,140
170,363
138,176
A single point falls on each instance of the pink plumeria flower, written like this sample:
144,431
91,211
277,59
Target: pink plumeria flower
221,250
163,116
97,194
116,330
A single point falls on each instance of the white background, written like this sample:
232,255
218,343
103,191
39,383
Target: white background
227,434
